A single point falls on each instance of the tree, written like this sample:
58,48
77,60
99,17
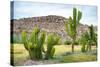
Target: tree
71,25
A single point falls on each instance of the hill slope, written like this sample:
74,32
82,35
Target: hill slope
50,23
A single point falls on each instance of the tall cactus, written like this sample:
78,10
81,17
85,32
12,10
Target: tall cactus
34,43
71,25
51,41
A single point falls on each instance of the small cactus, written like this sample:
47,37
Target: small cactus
52,40
34,43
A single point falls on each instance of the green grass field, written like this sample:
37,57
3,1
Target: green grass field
62,54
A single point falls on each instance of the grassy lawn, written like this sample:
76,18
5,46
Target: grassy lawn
62,54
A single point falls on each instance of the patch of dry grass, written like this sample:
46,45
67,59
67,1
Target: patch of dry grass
21,54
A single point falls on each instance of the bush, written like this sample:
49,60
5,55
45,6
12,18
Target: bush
76,43
67,42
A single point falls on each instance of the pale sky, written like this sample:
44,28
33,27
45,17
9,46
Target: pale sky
23,9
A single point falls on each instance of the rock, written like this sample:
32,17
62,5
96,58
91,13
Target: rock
40,62
30,62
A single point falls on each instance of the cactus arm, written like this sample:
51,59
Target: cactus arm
74,15
79,16
51,41
43,50
32,37
52,52
70,27
41,41
25,40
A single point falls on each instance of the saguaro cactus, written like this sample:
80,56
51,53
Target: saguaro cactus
51,41
34,43
71,25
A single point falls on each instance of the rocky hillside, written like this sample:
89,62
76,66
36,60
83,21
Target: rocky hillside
50,23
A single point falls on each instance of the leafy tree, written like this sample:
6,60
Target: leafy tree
71,25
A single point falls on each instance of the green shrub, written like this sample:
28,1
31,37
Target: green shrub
67,42
76,42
